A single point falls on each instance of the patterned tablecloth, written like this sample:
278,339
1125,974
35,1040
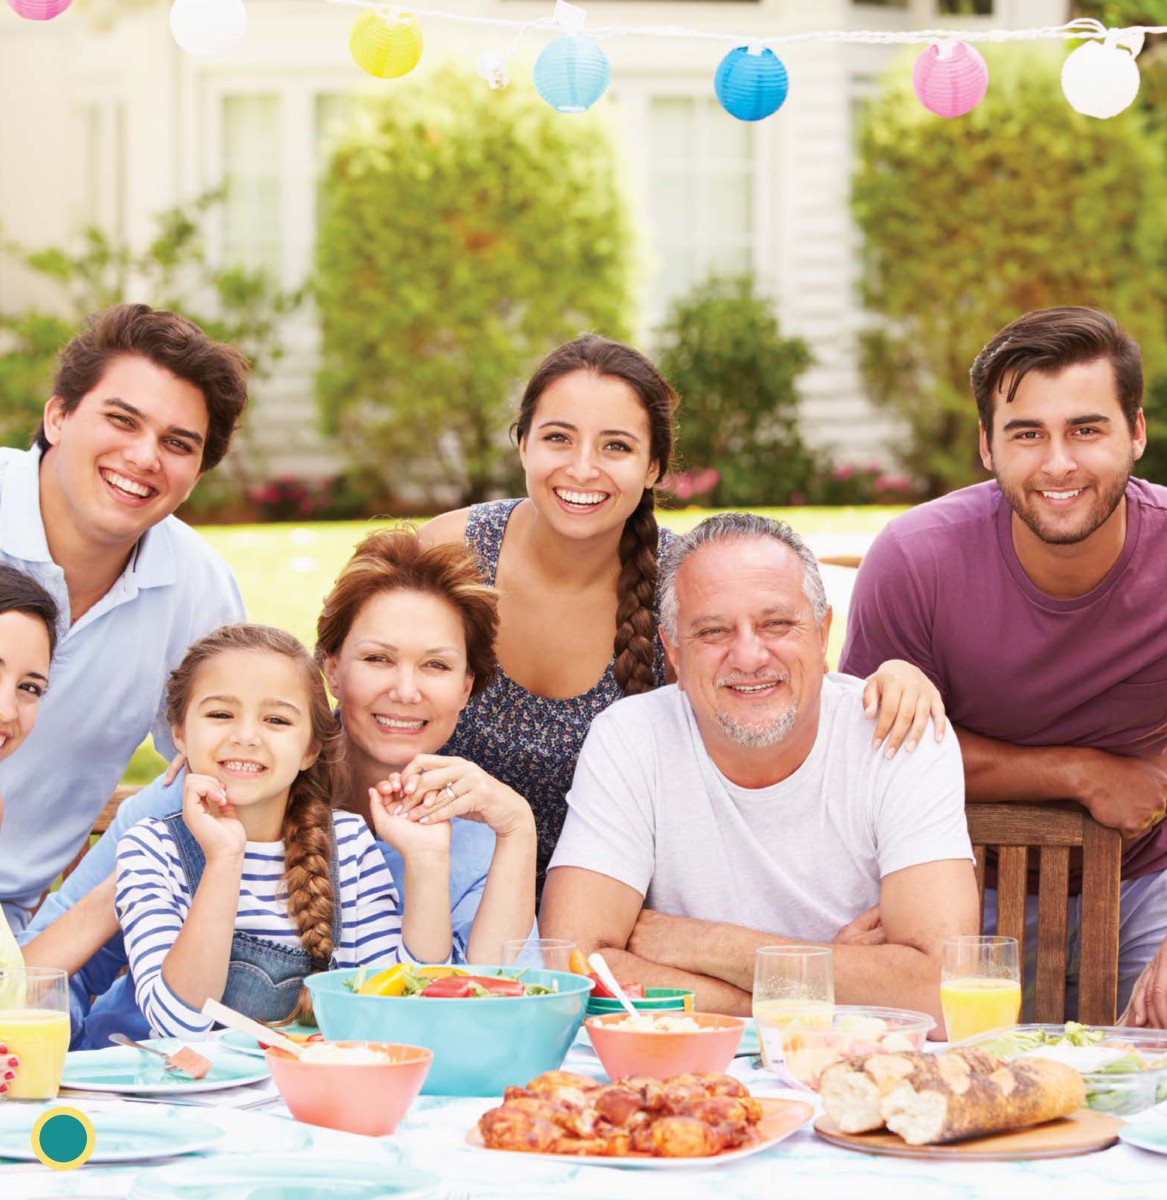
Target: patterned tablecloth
803,1167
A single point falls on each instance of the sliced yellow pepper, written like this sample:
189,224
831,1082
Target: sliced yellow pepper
386,983
438,972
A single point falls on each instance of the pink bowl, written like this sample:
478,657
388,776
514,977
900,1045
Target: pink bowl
660,1054
368,1098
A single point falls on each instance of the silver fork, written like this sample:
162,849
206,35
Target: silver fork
120,1039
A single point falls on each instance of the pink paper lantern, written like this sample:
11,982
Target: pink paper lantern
950,78
39,10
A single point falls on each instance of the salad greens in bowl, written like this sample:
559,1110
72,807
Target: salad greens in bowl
1124,1069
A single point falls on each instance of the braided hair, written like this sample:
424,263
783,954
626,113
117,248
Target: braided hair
307,827
636,585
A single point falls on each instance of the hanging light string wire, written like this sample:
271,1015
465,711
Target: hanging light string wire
1081,27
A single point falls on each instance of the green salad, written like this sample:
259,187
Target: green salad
1111,1067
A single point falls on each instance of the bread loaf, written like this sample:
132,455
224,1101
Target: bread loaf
928,1109
853,1090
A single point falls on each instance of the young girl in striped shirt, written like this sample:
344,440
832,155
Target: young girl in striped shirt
258,883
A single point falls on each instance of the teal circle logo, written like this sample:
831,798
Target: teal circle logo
63,1138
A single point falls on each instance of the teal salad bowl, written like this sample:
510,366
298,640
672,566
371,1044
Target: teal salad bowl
480,1044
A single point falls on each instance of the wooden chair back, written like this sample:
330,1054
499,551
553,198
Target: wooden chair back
1053,831
104,819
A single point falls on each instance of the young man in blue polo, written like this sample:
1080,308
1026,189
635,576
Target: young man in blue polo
143,404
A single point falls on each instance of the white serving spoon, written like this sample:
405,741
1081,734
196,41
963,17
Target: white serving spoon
601,968
261,1033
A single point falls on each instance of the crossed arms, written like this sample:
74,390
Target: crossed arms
918,908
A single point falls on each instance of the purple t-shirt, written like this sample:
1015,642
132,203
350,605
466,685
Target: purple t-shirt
942,587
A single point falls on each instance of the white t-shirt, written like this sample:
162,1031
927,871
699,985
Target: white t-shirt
798,859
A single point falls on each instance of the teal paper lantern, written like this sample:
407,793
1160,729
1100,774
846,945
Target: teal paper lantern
751,83
572,73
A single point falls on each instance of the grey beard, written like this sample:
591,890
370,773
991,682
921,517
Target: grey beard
755,737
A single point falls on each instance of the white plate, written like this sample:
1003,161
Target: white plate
121,1069
116,1136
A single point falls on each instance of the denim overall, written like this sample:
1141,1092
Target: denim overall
263,978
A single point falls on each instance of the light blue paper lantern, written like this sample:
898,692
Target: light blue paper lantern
572,73
751,84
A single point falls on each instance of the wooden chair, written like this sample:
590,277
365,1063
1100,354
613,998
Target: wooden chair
1053,830
104,820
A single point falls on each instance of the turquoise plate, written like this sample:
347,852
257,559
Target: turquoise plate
246,1044
116,1138
749,1045
289,1177
1147,1135
120,1069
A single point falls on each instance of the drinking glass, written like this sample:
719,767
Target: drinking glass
793,985
980,985
34,1026
539,954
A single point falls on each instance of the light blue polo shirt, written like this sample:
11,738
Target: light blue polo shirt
106,685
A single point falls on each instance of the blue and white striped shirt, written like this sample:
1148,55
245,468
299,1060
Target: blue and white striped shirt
153,899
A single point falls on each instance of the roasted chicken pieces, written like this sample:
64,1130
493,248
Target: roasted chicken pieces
687,1116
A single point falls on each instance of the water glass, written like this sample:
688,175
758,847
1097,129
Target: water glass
538,954
793,985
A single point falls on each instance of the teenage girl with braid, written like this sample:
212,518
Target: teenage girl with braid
575,565
257,883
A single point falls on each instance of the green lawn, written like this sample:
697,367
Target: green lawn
285,570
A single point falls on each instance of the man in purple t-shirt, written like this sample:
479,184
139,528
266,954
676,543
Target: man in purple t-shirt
1036,603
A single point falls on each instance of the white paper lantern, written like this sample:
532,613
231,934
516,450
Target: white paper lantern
493,68
1100,79
208,28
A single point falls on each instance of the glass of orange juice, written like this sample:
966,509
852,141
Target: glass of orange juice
34,1026
980,985
793,985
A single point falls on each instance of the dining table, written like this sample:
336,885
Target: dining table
432,1140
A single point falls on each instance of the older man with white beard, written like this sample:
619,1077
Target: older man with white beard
745,806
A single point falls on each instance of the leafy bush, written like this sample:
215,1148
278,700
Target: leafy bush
735,372
846,483
1021,204
463,233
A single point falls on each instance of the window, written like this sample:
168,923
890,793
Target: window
965,8
332,110
252,208
103,165
701,195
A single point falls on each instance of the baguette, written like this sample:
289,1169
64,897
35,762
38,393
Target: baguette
853,1090
928,1110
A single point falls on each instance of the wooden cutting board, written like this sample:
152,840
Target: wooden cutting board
1083,1133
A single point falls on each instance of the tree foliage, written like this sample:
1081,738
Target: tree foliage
171,271
463,233
1021,204
724,353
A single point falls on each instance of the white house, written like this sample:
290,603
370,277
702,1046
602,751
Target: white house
112,124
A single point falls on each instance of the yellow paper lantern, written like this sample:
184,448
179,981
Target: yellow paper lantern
387,46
